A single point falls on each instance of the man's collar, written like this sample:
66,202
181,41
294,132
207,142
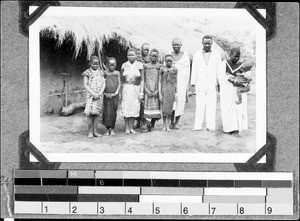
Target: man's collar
205,51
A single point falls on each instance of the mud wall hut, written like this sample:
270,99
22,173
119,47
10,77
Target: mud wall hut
66,43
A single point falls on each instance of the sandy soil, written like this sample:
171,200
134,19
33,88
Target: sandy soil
69,135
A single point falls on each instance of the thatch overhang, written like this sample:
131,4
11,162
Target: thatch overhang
94,32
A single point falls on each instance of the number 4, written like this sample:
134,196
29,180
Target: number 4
129,210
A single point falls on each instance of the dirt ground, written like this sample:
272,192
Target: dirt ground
69,135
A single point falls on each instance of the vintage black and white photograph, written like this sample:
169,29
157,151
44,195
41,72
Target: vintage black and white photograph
147,84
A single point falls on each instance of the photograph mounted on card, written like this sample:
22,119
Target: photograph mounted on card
147,84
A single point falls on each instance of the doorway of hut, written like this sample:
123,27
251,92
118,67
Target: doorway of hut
113,48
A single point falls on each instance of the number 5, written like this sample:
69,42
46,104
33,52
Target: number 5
157,211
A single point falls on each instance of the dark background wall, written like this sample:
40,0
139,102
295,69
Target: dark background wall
56,60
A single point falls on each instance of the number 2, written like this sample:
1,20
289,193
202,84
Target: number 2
74,209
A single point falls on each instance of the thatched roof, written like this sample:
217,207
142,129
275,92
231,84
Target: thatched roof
131,32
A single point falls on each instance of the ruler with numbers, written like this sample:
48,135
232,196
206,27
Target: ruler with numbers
152,193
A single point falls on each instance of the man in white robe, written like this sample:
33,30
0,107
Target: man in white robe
234,117
183,64
205,67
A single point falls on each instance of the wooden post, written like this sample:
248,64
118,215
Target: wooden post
65,87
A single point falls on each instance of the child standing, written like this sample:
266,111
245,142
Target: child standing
111,96
151,91
167,90
131,93
94,83
236,68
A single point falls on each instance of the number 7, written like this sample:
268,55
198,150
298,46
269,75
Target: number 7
213,210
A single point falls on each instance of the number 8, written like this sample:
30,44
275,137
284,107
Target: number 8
242,210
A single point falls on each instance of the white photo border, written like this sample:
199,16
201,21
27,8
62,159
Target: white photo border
34,87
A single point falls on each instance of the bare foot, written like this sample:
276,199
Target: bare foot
194,129
211,130
171,126
97,135
175,127
90,135
127,131
235,134
106,133
238,102
133,131
164,129
169,130
112,133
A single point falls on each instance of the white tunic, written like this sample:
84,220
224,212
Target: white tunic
183,77
234,117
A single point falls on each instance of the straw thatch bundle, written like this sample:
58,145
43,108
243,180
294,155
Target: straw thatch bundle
130,32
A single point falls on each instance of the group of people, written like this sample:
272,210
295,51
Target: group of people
151,87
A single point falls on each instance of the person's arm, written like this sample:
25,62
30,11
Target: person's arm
219,62
119,85
146,90
194,72
156,93
159,83
190,71
237,81
121,82
248,76
176,85
104,84
86,86
142,84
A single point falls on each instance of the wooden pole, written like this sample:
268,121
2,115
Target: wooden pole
66,94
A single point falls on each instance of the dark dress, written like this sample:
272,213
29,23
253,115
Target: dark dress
110,104
233,69
169,80
152,104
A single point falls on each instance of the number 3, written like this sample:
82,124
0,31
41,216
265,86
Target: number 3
101,210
